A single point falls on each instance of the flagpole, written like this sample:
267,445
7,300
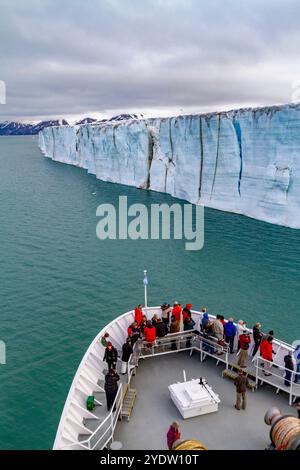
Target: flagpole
145,287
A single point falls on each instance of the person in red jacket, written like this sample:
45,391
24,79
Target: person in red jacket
138,314
133,332
245,341
173,434
176,313
266,351
150,333
186,312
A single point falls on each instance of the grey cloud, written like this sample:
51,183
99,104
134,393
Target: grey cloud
78,57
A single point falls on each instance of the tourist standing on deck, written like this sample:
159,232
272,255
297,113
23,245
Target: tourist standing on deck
289,365
173,329
218,332
207,332
241,384
150,333
230,332
161,328
133,332
240,328
188,325
138,314
218,328
173,434
204,320
245,341
257,338
165,313
266,351
111,387
111,356
143,324
176,312
127,350
186,312
104,340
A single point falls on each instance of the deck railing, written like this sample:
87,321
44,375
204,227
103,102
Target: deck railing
104,433
209,346
275,375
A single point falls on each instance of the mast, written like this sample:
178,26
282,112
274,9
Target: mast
145,287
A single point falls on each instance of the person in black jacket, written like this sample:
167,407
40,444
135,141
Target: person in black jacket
111,356
257,337
288,364
111,387
127,350
161,328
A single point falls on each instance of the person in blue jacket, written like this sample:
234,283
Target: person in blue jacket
204,320
230,332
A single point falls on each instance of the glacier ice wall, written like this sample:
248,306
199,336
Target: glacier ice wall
245,161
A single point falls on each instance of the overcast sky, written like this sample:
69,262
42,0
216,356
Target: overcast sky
158,57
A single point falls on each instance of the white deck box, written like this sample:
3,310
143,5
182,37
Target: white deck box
194,399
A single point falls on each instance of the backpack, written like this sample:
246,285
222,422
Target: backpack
90,403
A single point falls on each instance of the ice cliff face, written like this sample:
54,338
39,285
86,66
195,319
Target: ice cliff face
245,161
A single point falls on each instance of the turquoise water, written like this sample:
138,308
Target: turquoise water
60,284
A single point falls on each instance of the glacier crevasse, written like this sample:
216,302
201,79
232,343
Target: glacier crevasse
245,161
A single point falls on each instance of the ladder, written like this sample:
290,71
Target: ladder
128,400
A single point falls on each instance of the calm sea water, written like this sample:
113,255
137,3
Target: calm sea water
60,285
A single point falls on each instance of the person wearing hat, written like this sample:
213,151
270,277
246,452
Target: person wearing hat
241,383
244,345
111,356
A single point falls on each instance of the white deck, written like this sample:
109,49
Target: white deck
227,428
81,429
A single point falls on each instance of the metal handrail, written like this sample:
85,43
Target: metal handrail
118,404
293,386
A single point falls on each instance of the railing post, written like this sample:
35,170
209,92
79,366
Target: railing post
291,388
201,349
112,425
256,371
